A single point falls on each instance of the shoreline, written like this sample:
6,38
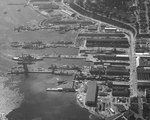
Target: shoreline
10,99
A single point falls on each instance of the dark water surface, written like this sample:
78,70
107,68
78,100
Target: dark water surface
41,105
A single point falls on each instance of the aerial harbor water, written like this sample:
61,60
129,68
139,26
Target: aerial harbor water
74,60
40,105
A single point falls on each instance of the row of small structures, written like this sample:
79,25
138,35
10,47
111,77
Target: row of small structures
42,45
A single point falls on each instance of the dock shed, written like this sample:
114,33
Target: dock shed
91,95
121,92
110,29
148,95
143,73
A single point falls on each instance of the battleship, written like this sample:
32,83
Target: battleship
27,57
25,28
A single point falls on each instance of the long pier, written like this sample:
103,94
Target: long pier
43,70
16,4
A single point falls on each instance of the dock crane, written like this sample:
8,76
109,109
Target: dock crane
26,60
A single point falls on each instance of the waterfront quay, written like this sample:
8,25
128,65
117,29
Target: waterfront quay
92,94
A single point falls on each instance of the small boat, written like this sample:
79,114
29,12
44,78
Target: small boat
54,89
5,12
18,10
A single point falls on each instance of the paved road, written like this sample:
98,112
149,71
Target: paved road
101,18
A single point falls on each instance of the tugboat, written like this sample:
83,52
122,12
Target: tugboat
15,44
34,45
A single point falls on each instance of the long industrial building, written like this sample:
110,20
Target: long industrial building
111,44
101,35
91,95
96,40
120,91
143,74
148,95
111,57
117,71
113,63
144,61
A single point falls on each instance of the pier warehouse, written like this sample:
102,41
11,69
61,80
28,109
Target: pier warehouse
91,95
120,91
107,42
143,74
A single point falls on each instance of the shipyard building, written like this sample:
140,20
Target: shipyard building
91,95
120,91
108,42
143,74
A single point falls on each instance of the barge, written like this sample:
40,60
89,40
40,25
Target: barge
61,89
